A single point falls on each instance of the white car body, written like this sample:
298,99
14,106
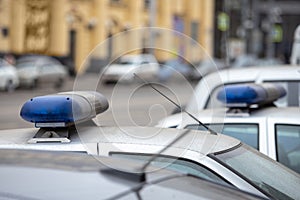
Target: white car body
275,130
145,65
205,91
9,79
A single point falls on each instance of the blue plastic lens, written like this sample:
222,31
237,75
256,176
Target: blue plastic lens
64,109
241,94
56,108
250,94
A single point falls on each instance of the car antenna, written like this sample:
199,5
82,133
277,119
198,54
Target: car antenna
178,106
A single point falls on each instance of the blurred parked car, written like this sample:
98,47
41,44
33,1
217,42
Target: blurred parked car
36,70
244,61
260,124
145,65
9,80
204,154
175,68
250,60
179,66
50,175
206,91
208,66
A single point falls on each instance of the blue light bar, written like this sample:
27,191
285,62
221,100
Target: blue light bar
249,94
63,109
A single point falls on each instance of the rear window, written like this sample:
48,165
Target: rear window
288,145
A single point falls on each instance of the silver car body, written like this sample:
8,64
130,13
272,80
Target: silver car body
36,174
194,147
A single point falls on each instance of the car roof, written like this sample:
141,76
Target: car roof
256,72
52,175
195,140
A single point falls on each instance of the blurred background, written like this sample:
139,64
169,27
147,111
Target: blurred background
54,37
69,29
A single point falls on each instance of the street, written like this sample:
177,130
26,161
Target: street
130,104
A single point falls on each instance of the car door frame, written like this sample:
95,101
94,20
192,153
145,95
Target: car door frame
271,123
104,149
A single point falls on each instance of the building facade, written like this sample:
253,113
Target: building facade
71,29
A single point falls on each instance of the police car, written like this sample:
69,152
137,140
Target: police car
64,123
205,92
252,117
49,175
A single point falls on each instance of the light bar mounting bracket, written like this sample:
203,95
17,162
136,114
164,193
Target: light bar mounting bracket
49,135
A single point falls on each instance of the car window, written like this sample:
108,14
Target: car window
144,62
48,67
261,171
247,133
176,164
288,145
125,62
25,65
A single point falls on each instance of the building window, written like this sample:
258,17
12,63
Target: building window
147,4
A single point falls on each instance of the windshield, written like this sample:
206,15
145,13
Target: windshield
268,175
127,61
25,65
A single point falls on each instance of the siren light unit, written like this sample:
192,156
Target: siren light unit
250,94
63,109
